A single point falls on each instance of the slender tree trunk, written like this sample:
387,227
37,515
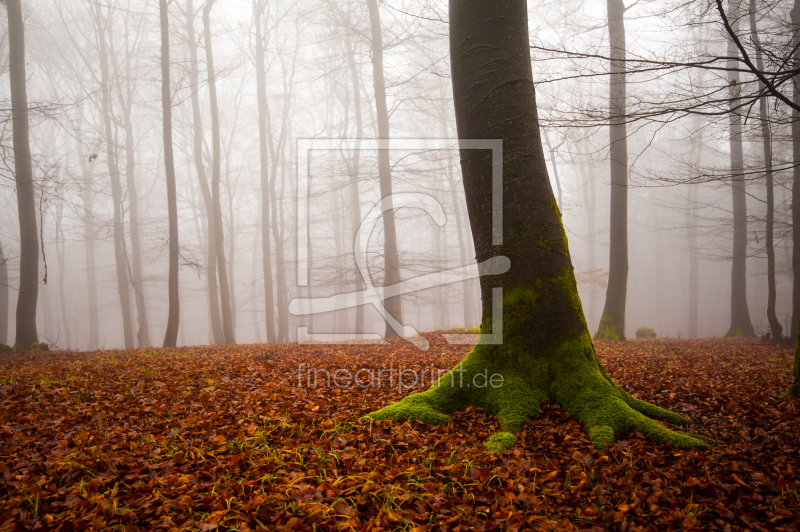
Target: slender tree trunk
590,204
3,297
197,146
740,315
796,175
126,99
261,97
224,289
391,260
355,199
552,152
120,252
253,292
23,177
62,266
612,322
546,350
89,235
766,139
173,321
49,333
694,266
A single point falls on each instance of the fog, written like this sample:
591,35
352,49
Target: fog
89,128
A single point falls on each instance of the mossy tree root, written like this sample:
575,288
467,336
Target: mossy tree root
579,385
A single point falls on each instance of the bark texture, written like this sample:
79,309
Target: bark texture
546,349
23,177
612,321
740,314
173,319
796,173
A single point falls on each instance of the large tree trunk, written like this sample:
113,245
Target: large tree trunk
390,257
796,174
766,139
261,97
612,321
740,315
546,350
173,320
23,177
3,297
120,252
219,244
197,146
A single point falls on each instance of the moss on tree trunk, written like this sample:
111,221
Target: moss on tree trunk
546,349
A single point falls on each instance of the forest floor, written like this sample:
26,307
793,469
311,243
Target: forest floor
239,438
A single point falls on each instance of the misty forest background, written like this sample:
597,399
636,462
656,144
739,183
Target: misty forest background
94,91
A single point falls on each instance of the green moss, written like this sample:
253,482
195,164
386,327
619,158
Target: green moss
646,332
794,389
511,379
5,347
607,330
500,442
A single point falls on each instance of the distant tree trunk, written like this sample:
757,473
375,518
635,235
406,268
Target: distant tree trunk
126,100
231,248
3,297
62,266
355,199
766,139
590,204
89,235
261,97
694,266
197,145
740,315
552,152
612,322
796,175
253,292
120,252
224,289
23,176
47,313
391,260
173,321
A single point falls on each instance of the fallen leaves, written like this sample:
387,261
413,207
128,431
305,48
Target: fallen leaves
233,437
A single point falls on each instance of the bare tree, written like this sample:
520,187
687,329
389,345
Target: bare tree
173,321
390,256
3,297
612,321
219,244
120,252
23,176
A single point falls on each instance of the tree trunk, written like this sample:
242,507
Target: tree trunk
546,349
23,177
89,236
355,199
590,204
3,297
740,315
173,321
120,252
391,260
261,97
612,321
694,266
796,174
62,266
219,244
126,100
766,139
197,145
